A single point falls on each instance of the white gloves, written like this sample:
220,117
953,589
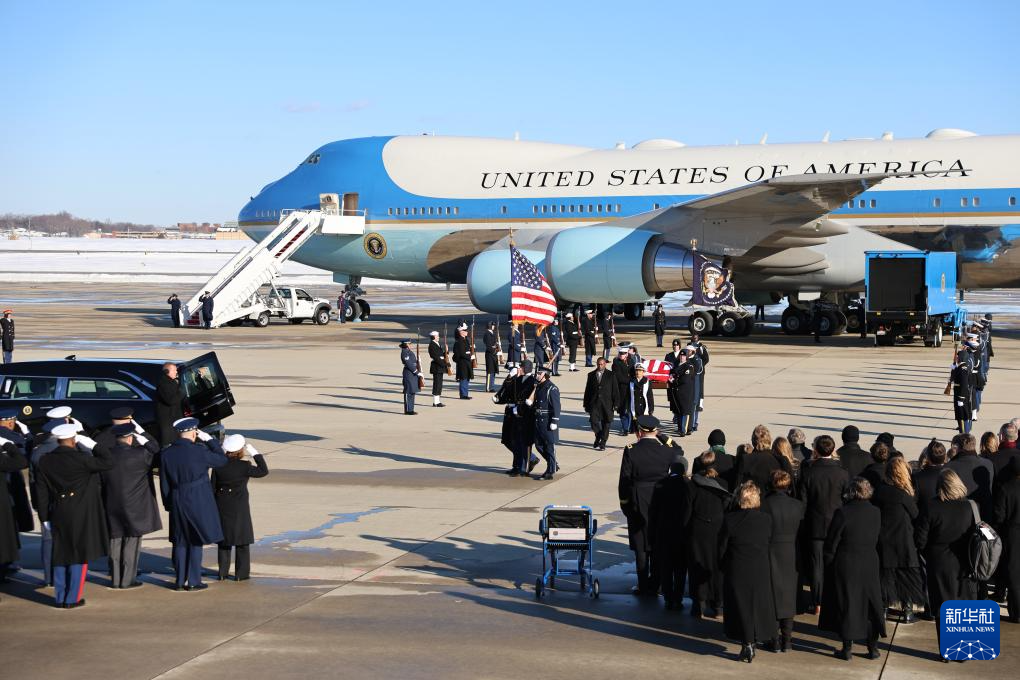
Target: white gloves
86,442
250,450
77,424
529,402
554,426
202,435
141,439
959,403
21,426
5,441
138,428
47,525
494,399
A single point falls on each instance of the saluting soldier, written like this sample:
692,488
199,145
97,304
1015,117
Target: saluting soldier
659,320
14,480
547,420
437,368
491,341
684,379
555,346
608,335
410,374
960,376
230,485
7,336
126,415
589,328
601,393
641,396
188,498
175,309
541,348
573,339
644,464
463,353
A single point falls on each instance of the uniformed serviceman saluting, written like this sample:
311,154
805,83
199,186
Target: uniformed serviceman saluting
547,420
491,342
67,486
12,460
175,309
645,463
129,498
188,498
410,374
7,336
463,353
208,303
230,485
437,367
126,415
600,396
573,338
14,481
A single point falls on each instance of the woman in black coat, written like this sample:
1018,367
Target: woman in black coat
852,595
1007,522
230,486
758,464
943,537
708,507
787,513
749,611
897,554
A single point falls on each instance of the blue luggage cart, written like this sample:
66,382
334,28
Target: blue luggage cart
567,529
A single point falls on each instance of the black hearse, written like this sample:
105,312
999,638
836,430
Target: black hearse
92,387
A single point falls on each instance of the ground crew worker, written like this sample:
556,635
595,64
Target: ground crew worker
659,321
573,338
7,336
644,464
463,353
341,308
188,498
437,367
230,486
589,328
601,393
555,346
409,376
491,341
547,420
207,309
175,309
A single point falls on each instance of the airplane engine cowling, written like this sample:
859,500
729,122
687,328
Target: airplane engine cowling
615,265
488,278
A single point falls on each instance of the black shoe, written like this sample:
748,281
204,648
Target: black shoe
465,397
773,646
133,584
440,405
546,476
873,653
180,587
531,464
746,653
410,413
602,447
515,473
844,654
511,471
75,605
242,578
200,586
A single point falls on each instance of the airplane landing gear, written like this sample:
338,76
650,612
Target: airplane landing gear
358,308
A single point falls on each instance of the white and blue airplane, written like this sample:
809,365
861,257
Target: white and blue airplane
618,226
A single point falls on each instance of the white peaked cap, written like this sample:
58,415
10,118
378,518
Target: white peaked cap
233,442
59,412
462,327
65,431
434,334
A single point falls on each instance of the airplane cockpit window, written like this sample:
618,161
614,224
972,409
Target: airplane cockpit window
313,159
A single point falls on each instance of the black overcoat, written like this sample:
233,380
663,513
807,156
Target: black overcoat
852,604
600,398
230,486
821,485
409,371
462,352
1007,522
168,408
708,507
7,330
853,458
896,547
787,513
977,474
507,395
187,494
491,343
669,516
129,494
11,460
67,487
943,537
570,334
749,614
757,467
438,356
645,463
17,485
925,486
621,373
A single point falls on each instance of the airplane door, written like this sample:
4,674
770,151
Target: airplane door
350,204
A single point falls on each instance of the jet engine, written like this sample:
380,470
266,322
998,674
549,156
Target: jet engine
488,278
615,265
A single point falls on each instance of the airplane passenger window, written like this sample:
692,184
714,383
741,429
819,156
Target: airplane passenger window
456,210
977,201
860,203
571,208
554,208
563,208
590,208
447,210
543,209
389,211
963,202
655,206
1012,200
534,209
617,207
414,211
937,203
580,208
503,209
874,203
599,207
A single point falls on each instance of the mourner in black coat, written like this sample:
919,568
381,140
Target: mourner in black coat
708,506
11,460
851,455
1007,522
852,601
757,467
601,394
129,497
168,404
15,482
787,513
976,473
749,609
821,486
644,464
897,554
230,486
68,490
670,513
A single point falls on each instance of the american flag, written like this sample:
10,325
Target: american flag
657,371
531,298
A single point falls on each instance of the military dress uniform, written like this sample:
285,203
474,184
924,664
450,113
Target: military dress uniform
641,399
437,368
541,347
12,460
659,321
462,353
961,379
684,381
518,421
573,339
622,375
589,328
208,305
491,343
555,339
409,376
175,310
516,347
608,336
547,423
7,337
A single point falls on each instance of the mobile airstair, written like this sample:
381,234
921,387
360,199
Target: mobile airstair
235,287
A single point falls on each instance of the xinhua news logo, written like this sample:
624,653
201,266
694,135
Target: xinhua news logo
969,630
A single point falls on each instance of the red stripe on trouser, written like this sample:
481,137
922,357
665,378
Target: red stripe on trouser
81,581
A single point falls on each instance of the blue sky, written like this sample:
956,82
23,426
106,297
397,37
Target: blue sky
178,111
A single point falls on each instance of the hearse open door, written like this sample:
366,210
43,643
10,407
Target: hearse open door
207,393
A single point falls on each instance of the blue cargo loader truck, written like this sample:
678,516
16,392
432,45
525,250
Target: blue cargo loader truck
910,295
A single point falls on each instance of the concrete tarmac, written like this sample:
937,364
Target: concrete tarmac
392,546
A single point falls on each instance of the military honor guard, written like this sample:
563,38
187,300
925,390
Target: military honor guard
7,335
547,420
175,309
12,461
960,379
541,346
622,374
659,322
71,507
410,376
463,354
125,415
644,464
129,498
977,372
230,486
437,368
518,418
14,480
188,498
608,335
208,304
697,347
573,338
555,338
490,339
683,381
640,396
601,394
589,329
518,349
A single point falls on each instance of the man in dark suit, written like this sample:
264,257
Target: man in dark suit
188,498
822,482
601,394
853,458
644,464
168,403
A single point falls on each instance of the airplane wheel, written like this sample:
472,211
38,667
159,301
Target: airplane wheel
366,310
353,310
595,589
632,312
794,321
728,324
262,320
747,326
700,323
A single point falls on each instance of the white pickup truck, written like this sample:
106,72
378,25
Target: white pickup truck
284,302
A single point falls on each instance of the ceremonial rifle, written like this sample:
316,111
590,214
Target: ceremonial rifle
499,344
548,350
446,353
474,358
612,327
417,357
949,383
